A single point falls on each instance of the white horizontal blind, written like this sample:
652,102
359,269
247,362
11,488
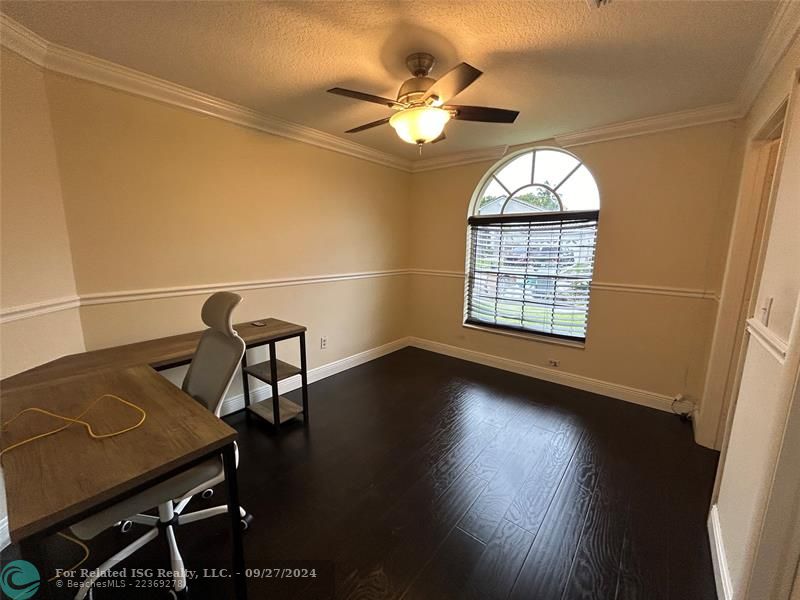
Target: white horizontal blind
532,272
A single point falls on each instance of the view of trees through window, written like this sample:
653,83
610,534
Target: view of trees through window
531,253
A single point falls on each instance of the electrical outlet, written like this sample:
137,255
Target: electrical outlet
554,363
683,407
323,342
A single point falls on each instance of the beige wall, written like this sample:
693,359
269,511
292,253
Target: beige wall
666,207
157,197
355,316
35,257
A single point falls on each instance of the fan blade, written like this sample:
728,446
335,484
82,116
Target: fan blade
366,97
368,125
455,81
440,138
483,113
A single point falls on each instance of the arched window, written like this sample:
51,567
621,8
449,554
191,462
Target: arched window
532,234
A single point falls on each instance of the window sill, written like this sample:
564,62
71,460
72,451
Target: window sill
528,336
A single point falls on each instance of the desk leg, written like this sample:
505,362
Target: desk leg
304,376
273,372
245,382
239,577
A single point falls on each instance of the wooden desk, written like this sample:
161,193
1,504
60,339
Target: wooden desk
57,481
273,371
75,474
161,353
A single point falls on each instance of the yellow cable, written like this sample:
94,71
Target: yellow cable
74,567
92,434
71,420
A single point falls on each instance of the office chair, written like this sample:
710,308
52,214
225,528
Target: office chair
210,373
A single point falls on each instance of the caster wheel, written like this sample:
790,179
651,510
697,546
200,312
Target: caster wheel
125,526
246,521
207,494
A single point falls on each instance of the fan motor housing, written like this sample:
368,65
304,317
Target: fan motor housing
412,89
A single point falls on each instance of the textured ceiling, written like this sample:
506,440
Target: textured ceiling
563,65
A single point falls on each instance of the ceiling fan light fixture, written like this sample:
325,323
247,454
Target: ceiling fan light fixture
420,124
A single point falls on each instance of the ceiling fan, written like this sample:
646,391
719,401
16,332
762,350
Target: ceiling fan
421,104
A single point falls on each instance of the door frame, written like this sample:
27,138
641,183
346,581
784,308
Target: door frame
772,569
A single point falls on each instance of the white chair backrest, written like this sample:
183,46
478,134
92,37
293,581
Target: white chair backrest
218,354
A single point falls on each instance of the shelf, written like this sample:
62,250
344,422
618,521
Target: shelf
288,409
262,371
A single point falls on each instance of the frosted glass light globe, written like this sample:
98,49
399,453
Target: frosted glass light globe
419,125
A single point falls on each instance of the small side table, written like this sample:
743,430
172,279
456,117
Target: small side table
277,409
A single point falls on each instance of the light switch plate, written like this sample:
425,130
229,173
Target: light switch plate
766,309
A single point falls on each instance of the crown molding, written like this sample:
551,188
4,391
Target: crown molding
458,158
22,40
54,57
60,59
783,29
676,120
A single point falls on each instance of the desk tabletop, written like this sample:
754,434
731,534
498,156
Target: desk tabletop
58,478
54,480
158,353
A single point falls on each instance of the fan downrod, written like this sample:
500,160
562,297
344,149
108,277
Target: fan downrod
420,63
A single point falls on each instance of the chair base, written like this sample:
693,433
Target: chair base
169,517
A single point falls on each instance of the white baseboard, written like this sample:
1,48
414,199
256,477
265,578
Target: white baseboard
596,386
721,575
236,402
604,388
613,390
5,536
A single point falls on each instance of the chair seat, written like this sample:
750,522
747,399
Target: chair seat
175,487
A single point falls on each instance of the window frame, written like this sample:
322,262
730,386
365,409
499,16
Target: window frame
491,173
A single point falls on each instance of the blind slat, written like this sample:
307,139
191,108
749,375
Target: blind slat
532,272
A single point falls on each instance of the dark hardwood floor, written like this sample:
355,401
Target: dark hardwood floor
427,477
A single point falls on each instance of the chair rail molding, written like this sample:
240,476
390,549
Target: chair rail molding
768,339
43,307
210,288
631,288
26,311
37,309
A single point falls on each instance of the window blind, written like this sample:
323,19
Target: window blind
532,272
